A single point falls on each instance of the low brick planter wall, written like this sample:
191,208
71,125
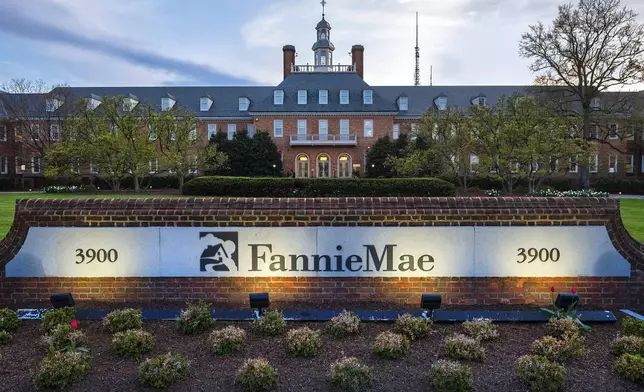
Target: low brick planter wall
613,292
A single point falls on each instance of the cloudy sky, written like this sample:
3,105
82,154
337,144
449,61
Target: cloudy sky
222,42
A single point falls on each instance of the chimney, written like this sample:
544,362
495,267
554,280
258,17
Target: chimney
357,56
289,59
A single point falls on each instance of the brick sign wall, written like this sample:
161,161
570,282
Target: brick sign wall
602,291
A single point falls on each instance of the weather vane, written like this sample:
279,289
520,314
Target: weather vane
323,2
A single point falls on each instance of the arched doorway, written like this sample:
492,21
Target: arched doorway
344,166
324,166
302,166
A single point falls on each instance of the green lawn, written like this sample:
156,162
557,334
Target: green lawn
632,210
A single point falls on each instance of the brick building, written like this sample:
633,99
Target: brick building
323,117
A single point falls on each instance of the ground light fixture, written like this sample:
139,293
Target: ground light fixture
566,300
430,302
62,300
258,302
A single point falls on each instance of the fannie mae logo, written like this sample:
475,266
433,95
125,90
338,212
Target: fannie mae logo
220,251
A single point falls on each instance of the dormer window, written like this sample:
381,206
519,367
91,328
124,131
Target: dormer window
479,100
129,103
441,103
93,102
278,97
167,103
344,97
324,97
301,97
243,104
367,97
403,103
595,103
53,104
204,104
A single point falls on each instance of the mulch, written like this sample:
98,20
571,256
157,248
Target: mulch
216,373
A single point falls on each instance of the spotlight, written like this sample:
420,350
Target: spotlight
62,300
566,300
258,302
430,302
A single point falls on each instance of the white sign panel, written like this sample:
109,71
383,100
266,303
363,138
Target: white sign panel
318,251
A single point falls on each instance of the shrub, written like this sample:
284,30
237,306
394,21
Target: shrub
270,324
9,320
60,369
459,346
390,345
5,337
123,320
344,324
569,193
541,375
56,317
164,370
628,345
349,374
559,350
66,338
411,327
631,367
227,340
303,342
256,375
481,329
133,343
63,189
558,327
301,187
450,376
195,319
633,326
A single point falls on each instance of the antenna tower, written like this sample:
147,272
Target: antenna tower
417,72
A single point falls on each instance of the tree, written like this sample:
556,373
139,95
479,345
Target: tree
37,113
587,50
381,157
179,144
248,157
520,138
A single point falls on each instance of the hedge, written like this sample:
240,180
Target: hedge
300,187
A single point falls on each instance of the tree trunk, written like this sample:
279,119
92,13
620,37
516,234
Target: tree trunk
116,185
584,172
137,186
181,179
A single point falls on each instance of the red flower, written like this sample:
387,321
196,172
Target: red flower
573,290
74,324
552,289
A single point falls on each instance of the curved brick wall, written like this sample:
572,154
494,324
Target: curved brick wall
213,212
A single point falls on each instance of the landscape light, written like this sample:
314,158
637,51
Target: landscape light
430,302
62,300
258,302
566,300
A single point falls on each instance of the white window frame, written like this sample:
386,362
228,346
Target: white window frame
576,163
204,102
165,103
611,169
212,130
231,130
441,103
323,129
193,133
368,128
323,97
19,166
345,129
51,132
244,103
3,133
415,128
302,130
33,165
611,135
251,130
278,97
481,101
596,169
349,166
154,166
396,131
632,163
596,103
34,129
301,97
367,97
344,97
4,165
474,160
403,103
278,128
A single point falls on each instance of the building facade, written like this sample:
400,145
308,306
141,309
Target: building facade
323,117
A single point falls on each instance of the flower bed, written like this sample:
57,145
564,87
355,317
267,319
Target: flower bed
409,373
